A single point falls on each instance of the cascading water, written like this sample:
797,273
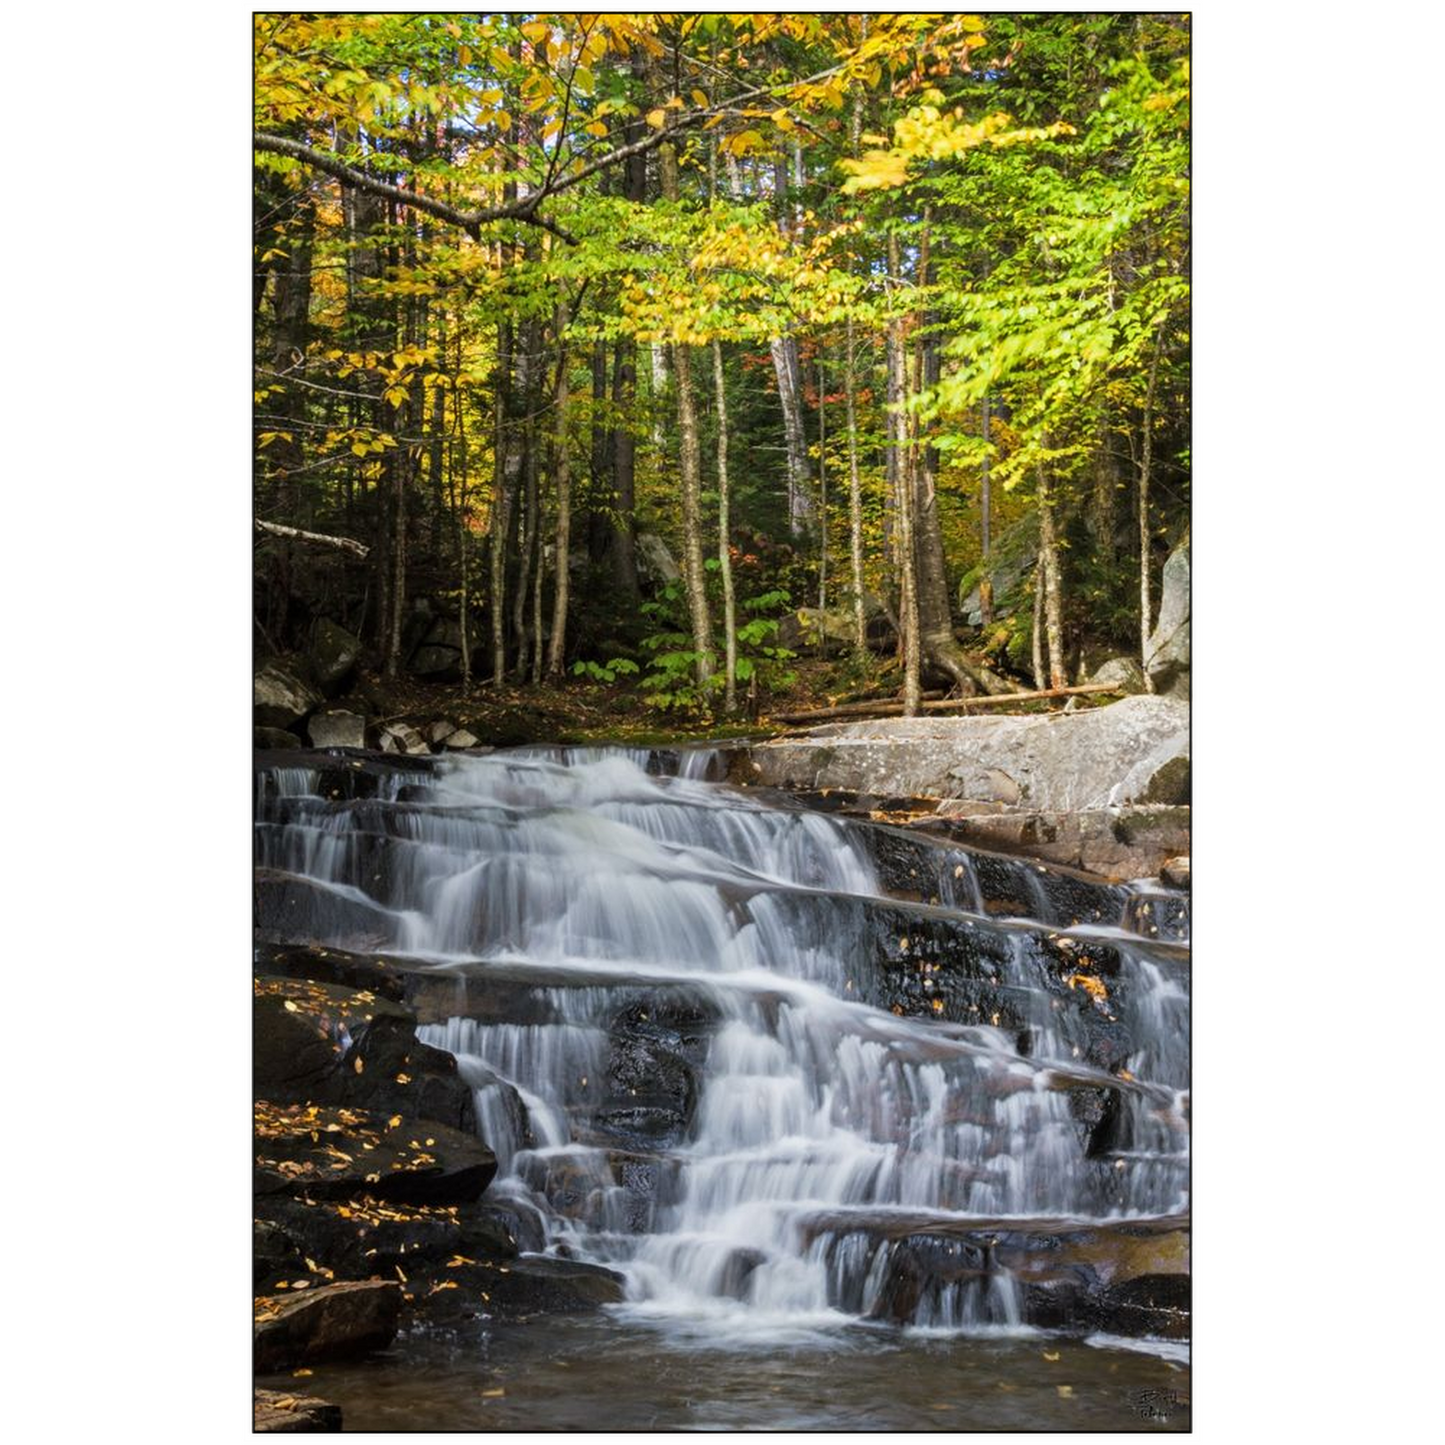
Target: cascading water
851,1086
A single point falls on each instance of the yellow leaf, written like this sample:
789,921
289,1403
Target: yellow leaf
875,171
299,1374
1066,1392
596,128
493,1394
291,1006
357,1064
657,118
698,98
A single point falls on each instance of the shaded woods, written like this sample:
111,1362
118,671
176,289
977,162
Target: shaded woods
668,355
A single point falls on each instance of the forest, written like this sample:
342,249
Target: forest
675,370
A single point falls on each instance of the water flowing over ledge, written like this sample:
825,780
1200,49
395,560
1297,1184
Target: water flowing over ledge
784,1072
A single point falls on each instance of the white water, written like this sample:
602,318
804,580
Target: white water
820,1120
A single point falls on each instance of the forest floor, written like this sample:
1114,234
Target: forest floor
579,710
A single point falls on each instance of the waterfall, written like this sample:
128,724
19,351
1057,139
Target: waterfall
782,1070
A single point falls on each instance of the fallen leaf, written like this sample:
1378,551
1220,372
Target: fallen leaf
493,1394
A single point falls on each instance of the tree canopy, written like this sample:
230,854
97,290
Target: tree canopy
599,345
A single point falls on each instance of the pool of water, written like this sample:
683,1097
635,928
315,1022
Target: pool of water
604,1373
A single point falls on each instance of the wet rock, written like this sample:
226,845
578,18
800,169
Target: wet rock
333,965
439,731
337,729
1112,843
332,1322
324,1043
275,1254
1175,872
292,909
277,1413
281,697
1152,1304
318,1240
542,1284
461,738
328,1152
656,1047
291,1052
333,653
274,738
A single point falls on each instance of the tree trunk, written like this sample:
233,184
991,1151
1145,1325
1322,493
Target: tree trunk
784,350
985,581
528,528
693,571
855,505
1037,636
939,646
724,552
822,487
1145,462
505,447
1053,590
563,484
623,542
457,474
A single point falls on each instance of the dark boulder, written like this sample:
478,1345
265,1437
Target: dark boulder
332,654
333,1322
438,655
268,738
281,697
329,1152
327,1044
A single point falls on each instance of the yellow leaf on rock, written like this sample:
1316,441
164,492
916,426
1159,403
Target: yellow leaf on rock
358,1065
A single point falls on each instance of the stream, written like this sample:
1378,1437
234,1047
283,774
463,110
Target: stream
878,1132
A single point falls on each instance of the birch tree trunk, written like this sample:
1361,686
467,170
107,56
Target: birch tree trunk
690,458
724,552
1145,463
855,505
562,481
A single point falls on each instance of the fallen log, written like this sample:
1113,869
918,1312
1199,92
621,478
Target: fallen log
883,708
347,544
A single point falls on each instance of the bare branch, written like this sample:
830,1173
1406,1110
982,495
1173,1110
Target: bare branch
347,544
